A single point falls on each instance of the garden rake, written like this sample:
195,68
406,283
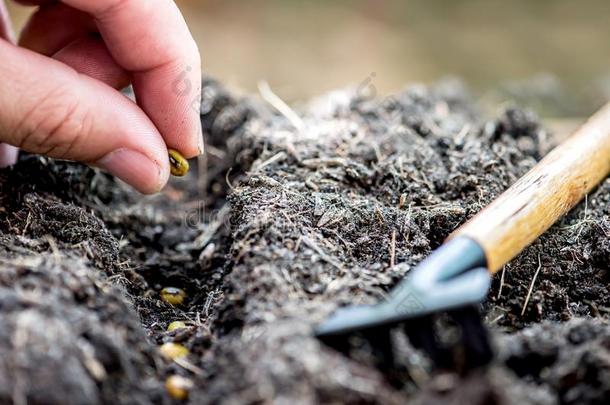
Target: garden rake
452,282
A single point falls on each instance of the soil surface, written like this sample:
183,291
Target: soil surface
280,223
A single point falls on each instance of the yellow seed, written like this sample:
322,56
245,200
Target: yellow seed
179,166
173,296
176,325
172,351
178,387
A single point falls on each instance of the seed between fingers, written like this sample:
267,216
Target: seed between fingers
179,166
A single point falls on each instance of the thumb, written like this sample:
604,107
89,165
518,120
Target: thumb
46,107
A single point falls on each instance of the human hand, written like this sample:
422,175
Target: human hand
59,88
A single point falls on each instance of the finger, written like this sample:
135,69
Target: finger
151,39
90,57
54,26
46,107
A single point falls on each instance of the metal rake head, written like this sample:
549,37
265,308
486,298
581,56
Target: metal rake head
436,306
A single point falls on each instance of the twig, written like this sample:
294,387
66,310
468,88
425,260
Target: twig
54,248
321,253
205,237
501,282
408,222
393,249
580,224
402,200
459,138
227,179
496,319
202,175
269,96
278,156
188,366
27,223
529,292
584,218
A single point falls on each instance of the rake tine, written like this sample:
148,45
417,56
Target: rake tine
382,348
477,350
422,336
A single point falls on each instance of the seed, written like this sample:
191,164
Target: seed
178,387
172,351
179,166
173,296
176,325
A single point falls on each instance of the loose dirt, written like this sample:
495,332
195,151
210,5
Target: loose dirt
291,220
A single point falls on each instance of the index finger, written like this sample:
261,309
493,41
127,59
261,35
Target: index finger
151,40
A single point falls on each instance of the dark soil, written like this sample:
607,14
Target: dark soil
285,226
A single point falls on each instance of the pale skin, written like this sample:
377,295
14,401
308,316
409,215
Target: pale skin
59,87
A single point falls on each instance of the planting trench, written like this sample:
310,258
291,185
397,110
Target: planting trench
290,220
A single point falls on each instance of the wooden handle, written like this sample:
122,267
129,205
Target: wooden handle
547,192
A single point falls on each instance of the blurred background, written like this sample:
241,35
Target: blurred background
551,54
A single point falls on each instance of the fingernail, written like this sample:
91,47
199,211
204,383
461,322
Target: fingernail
134,168
8,155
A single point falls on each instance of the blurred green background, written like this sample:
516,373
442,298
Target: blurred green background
553,54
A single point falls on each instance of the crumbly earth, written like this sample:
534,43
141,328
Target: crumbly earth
279,224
